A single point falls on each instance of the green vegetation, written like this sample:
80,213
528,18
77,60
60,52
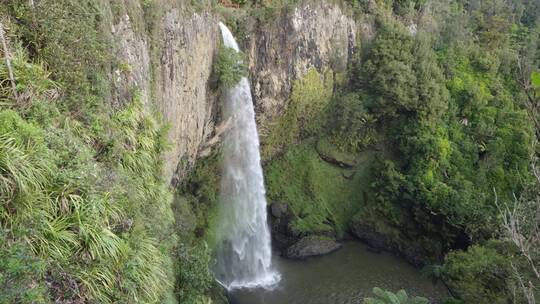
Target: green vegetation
307,109
318,193
482,274
85,210
453,120
196,210
230,67
388,297
429,138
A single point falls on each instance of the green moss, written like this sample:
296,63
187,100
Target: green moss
317,192
329,151
307,108
230,67
197,206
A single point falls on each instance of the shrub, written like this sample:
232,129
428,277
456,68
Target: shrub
481,274
388,297
230,67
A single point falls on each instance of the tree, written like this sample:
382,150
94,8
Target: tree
230,67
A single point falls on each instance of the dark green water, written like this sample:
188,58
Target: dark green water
343,277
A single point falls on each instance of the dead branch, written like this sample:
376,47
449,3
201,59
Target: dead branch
520,221
7,57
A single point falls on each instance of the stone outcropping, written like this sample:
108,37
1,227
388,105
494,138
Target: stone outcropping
311,246
378,241
183,94
316,35
181,70
294,244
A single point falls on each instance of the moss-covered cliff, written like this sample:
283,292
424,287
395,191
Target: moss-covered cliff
397,121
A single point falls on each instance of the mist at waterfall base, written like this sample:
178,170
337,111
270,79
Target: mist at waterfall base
243,253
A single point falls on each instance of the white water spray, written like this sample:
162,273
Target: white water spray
244,252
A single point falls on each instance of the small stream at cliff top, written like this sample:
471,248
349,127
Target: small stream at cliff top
244,253
342,277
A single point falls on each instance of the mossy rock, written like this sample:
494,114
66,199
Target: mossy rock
312,246
331,154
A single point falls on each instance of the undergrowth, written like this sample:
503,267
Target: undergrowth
320,195
85,213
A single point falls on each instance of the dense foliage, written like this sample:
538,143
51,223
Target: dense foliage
230,67
434,133
450,107
388,297
85,210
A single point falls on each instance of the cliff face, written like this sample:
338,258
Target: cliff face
316,36
177,85
182,88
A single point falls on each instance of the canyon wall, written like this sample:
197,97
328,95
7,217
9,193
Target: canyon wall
174,76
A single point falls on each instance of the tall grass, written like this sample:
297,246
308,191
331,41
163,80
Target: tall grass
85,202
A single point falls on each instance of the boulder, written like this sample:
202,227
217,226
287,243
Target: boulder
278,210
377,241
311,246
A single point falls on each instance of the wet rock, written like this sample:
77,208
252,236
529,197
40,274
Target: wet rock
315,35
279,210
178,78
411,251
311,246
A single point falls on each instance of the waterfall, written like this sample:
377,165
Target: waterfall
243,252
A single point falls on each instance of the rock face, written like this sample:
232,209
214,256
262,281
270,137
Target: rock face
380,242
311,246
181,73
132,50
174,75
182,78
316,35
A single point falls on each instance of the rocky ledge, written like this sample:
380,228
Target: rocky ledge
413,253
294,244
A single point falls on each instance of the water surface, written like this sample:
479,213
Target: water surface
343,277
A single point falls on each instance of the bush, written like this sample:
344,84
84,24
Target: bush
482,274
230,67
388,297
21,274
353,125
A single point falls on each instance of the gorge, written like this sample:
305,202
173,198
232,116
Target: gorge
382,145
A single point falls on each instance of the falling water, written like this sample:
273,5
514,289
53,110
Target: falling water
244,252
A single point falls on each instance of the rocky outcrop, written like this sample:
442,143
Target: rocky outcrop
131,74
183,95
316,35
180,89
332,155
174,75
378,241
295,244
311,246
